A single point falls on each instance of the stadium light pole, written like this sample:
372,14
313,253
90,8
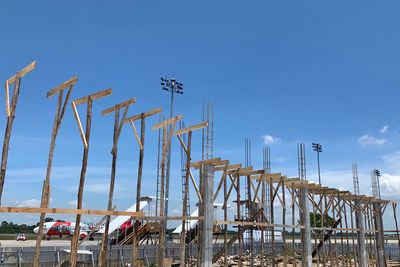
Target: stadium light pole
377,174
318,148
170,85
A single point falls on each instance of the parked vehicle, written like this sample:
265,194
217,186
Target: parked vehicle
21,237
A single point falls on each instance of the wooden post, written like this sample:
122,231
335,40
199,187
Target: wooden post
165,144
187,151
240,232
114,151
131,121
394,205
60,111
16,80
135,243
85,140
272,221
225,219
284,223
185,201
379,238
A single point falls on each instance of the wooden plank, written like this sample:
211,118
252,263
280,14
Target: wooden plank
138,215
252,172
93,96
192,128
119,106
228,168
269,177
221,163
167,122
62,86
136,135
184,146
196,188
234,171
217,164
295,183
145,114
205,162
22,72
78,120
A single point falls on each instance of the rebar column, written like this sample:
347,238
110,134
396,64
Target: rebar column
206,236
362,252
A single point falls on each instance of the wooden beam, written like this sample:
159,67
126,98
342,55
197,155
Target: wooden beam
295,182
62,86
78,121
136,135
145,114
93,96
70,211
252,172
119,106
221,163
205,162
274,177
196,188
192,128
22,72
228,168
234,171
167,122
218,164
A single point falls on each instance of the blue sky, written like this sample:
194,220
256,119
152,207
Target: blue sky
295,71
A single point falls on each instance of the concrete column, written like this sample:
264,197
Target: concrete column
362,252
306,232
380,242
206,235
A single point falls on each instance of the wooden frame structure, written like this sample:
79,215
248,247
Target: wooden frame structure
60,111
118,123
10,111
336,227
85,136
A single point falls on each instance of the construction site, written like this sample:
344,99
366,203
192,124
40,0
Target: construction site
232,214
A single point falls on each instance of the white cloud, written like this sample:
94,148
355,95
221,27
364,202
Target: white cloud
392,160
368,140
390,185
384,129
31,203
269,139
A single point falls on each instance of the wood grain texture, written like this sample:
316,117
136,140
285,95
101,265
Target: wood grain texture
62,86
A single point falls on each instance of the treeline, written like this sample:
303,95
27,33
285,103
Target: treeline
11,228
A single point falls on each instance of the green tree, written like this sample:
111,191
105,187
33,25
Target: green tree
316,221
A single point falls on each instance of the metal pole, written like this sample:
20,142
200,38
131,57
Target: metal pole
319,170
379,186
167,176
